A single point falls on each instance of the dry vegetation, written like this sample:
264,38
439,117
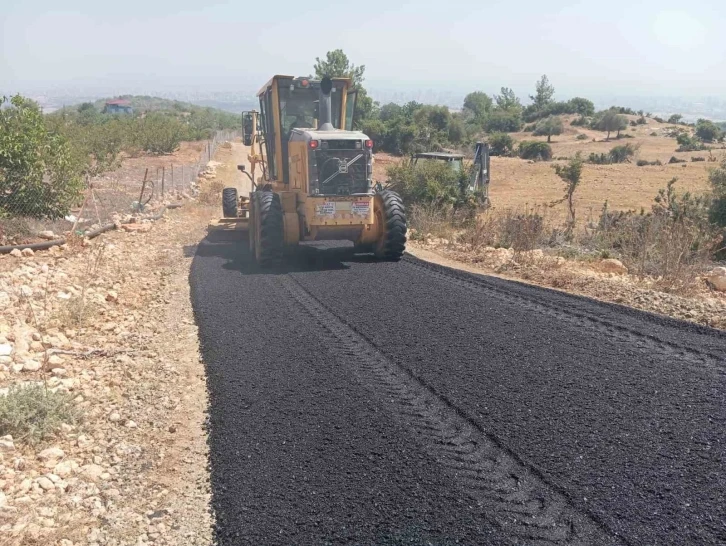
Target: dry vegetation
519,183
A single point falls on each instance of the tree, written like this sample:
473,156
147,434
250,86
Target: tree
707,130
500,121
570,175
675,118
717,209
500,144
544,93
508,101
479,104
549,126
38,176
581,106
611,121
337,65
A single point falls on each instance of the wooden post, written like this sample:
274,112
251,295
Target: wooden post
143,187
163,173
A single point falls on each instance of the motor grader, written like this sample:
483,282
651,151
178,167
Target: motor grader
311,175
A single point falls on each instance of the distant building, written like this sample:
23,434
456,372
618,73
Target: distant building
118,106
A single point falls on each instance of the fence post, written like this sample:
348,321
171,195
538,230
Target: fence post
163,173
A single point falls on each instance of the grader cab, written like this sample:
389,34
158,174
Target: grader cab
311,175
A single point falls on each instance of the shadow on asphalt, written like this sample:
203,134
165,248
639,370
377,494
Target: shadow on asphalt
307,257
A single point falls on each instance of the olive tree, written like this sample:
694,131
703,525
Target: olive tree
549,126
38,174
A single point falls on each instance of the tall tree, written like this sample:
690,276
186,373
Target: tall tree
544,93
611,121
549,126
337,65
479,104
507,101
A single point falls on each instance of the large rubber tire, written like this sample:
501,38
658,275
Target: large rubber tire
270,241
229,202
391,243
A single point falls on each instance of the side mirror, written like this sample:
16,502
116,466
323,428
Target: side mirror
241,168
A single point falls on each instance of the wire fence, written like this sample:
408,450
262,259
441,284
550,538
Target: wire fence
139,185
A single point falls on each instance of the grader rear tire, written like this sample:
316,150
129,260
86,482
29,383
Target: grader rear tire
269,242
391,214
229,202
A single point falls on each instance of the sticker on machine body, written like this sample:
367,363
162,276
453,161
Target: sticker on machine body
326,208
361,208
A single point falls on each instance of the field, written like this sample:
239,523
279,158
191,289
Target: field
517,183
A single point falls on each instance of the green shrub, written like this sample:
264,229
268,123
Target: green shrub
674,159
503,122
31,413
39,175
160,134
708,131
717,209
539,151
501,144
622,154
582,137
429,183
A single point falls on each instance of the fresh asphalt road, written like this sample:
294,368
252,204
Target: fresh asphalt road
355,402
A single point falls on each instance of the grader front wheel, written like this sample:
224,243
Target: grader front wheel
266,231
391,218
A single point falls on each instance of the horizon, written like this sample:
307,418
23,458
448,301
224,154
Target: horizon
653,52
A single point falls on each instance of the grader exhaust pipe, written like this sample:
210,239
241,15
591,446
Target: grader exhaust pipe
325,105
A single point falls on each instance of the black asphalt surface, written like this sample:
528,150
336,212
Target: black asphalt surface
355,402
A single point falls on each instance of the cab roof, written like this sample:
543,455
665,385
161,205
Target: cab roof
439,155
313,81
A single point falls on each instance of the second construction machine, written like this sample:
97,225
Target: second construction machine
316,175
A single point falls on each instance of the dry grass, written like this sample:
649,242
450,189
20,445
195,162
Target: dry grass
31,413
211,192
520,184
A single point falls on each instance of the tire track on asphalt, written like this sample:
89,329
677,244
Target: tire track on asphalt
514,496
644,341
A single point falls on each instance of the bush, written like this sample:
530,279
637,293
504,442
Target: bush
674,159
582,121
697,159
529,128
644,162
429,183
717,209
501,144
618,154
31,413
653,134
160,134
622,154
538,151
39,176
503,122
582,137
707,131
687,143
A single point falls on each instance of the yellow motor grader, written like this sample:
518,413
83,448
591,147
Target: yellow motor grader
312,175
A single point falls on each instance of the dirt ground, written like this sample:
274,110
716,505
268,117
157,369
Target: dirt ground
518,183
133,471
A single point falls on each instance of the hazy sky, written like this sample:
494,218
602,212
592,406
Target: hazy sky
628,47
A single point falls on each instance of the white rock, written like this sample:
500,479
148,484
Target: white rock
59,372
45,483
92,471
27,252
6,444
51,456
47,235
131,424
16,253
17,368
112,296
6,349
717,278
114,417
55,360
3,500
611,265
31,366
